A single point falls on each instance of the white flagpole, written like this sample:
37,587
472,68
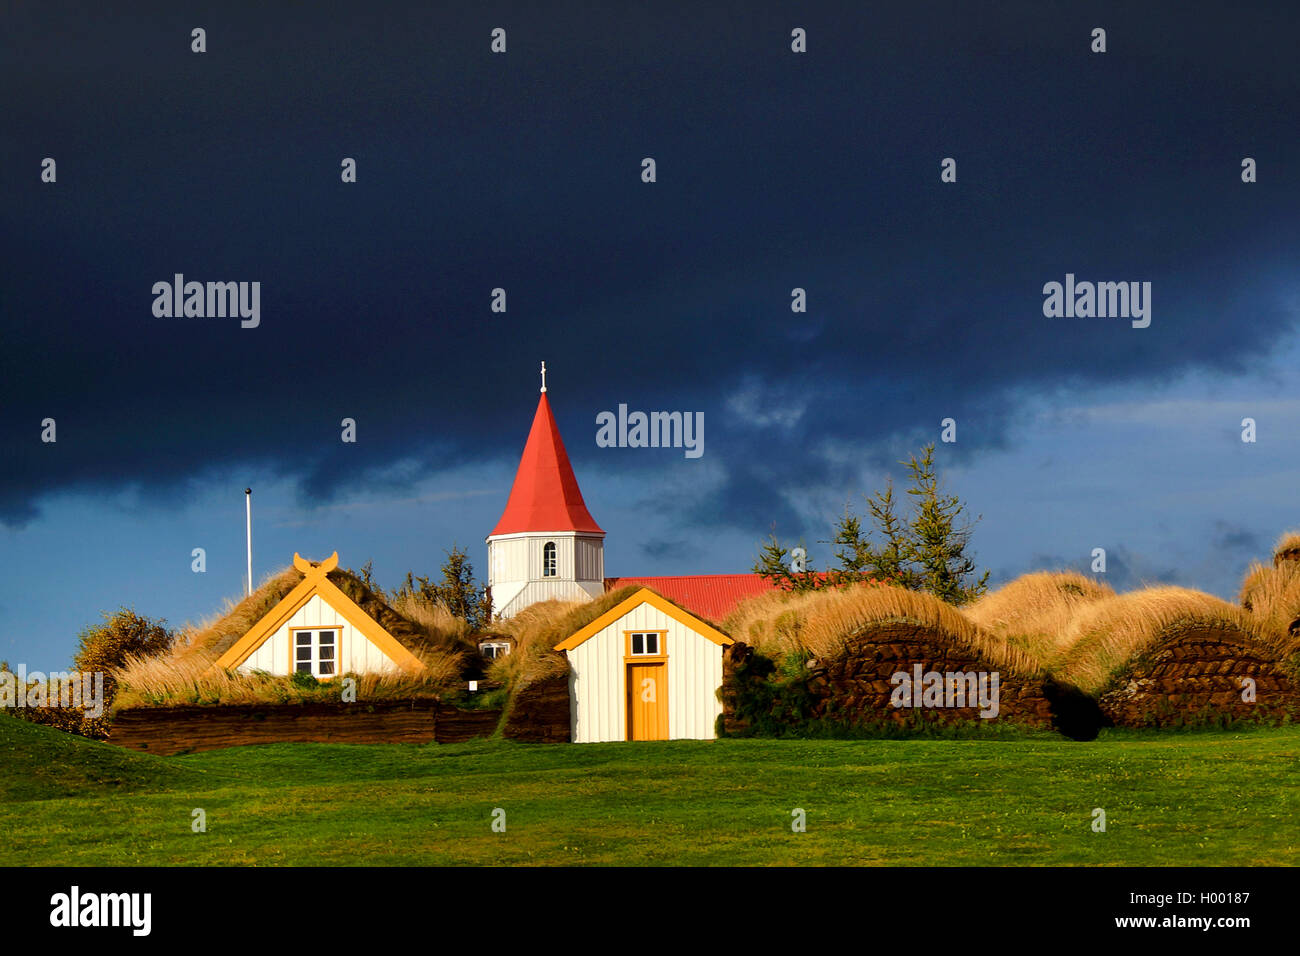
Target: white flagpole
248,512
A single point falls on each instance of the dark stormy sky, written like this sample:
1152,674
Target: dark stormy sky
522,171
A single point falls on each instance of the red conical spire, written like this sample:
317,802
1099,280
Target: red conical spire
545,495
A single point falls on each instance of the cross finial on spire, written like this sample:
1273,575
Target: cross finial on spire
543,376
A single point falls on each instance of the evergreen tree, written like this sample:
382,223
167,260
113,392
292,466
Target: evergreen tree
925,553
457,592
936,543
853,550
774,563
891,561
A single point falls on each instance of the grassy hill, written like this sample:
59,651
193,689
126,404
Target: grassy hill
41,763
1204,798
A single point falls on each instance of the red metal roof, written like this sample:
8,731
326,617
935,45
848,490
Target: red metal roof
713,596
545,495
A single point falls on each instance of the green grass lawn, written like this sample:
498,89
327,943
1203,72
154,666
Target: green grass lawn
1205,798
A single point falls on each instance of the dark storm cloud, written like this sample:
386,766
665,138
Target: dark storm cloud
678,549
1126,569
1038,562
522,171
1234,538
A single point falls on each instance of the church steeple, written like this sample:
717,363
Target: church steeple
545,495
546,543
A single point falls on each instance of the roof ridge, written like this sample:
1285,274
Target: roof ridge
715,574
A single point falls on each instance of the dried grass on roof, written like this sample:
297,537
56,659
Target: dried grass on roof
429,632
1287,548
154,681
538,628
824,623
433,618
1271,594
1034,611
210,639
186,674
1109,634
770,622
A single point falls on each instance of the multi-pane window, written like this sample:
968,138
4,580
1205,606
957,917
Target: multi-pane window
645,644
494,649
314,652
548,560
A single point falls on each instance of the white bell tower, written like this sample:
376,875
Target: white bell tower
546,544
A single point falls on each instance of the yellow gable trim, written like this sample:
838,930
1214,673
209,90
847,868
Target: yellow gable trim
367,625
315,582
326,566
278,615
644,596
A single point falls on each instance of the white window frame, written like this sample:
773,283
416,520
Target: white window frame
313,646
550,560
503,647
645,651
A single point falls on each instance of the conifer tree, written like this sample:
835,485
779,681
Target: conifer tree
459,593
924,553
775,563
891,560
936,542
853,550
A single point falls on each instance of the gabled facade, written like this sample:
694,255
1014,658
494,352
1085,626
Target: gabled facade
546,543
644,670
318,630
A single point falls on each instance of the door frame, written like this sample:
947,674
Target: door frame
660,660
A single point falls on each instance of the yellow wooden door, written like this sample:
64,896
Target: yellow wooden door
647,701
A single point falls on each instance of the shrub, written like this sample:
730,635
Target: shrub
105,648
303,680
